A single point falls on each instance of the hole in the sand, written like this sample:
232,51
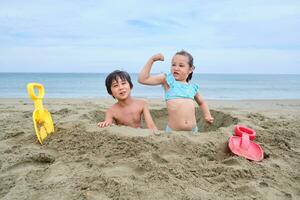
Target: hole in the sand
95,116
160,118
221,119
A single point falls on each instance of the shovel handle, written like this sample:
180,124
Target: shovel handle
31,92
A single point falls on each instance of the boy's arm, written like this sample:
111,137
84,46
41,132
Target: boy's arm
204,107
148,118
108,119
144,76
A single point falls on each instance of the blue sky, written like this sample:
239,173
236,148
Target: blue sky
232,36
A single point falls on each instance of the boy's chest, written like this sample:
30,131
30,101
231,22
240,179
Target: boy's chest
129,114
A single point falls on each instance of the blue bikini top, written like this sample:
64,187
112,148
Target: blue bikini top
179,90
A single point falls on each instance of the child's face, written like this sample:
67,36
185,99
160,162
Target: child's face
120,89
180,68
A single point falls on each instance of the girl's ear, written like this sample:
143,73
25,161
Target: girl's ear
191,69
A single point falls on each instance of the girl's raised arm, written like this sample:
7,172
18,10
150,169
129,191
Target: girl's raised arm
144,76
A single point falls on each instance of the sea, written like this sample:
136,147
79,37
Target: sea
212,86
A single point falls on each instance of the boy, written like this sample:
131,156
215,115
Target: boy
127,111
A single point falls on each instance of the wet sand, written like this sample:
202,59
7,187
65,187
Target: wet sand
82,161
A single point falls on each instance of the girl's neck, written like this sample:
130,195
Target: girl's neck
183,81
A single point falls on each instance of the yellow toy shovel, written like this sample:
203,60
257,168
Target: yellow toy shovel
42,120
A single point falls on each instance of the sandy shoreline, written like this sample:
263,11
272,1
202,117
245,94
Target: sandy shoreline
81,161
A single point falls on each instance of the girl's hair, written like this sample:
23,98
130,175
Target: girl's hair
113,77
190,62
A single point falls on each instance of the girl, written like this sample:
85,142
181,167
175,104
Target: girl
179,94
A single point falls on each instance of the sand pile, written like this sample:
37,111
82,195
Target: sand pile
81,161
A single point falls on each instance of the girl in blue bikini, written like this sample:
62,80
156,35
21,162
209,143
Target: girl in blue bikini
179,93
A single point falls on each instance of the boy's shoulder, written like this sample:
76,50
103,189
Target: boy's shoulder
114,106
139,101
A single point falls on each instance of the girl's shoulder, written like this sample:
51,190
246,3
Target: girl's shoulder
195,87
169,79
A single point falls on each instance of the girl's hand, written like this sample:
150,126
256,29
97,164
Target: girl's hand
158,57
209,119
155,132
104,124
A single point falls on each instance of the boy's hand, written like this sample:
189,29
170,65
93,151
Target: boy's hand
209,119
158,57
104,124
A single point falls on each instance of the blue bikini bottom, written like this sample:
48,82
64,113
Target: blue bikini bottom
194,130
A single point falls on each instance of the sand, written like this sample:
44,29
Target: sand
82,161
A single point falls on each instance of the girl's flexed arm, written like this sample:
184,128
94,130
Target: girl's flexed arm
144,76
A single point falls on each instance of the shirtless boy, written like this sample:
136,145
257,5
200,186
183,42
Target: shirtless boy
126,111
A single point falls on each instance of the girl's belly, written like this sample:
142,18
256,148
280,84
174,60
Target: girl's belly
181,114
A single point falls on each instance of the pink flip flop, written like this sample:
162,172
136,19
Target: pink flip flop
243,146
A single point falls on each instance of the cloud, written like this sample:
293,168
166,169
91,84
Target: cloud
76,33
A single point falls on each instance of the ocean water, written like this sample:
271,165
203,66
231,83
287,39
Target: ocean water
212,86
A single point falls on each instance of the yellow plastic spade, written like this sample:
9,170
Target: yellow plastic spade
42,120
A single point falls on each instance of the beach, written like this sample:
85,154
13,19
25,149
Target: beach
82,161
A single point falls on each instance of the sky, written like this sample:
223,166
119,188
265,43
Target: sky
224,36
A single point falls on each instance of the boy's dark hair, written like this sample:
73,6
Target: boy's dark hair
113,77
191,62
